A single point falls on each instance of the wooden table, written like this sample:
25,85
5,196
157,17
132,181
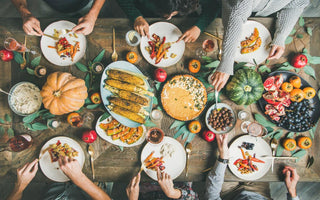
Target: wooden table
111,163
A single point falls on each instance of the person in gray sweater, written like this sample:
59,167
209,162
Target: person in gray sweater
244,190
236,12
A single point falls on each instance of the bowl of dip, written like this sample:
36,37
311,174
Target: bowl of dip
155,135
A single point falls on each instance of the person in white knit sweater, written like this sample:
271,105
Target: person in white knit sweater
236,12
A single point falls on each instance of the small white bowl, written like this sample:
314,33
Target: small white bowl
130,36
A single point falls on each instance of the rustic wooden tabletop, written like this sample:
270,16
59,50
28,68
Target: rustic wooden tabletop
111,163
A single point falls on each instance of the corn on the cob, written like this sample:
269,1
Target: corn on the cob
128,95
129,105
126,76
127,113
127,86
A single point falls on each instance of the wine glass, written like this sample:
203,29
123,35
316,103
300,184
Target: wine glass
12,44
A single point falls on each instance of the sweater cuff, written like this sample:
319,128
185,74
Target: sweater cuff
226,66
279,41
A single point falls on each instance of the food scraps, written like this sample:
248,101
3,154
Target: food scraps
65,49
154,162
59,150
246,164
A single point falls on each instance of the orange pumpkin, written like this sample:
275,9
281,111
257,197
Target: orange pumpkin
194,66
304,142
297,95
63,93
194,126
309,92
132,57
295,81
287,87
289,144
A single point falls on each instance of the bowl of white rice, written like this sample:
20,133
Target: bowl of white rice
24,98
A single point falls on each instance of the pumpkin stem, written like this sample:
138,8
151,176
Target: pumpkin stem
247,88
57,93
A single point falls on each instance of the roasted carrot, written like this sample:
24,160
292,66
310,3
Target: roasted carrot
243,154
149,156
62,51
75,49
257,160
52,47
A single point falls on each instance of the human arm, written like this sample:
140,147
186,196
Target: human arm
25,175
31,25
286,19
291,180
216,175
86,23
72,169
133,188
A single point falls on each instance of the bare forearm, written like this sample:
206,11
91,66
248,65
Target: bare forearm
96,7
16,193
176,194
90,188
21,6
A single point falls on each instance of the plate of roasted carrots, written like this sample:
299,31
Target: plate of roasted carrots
250,157
60,45
118,134
161,49
169,156
126,93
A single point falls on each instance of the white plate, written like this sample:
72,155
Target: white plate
118,142
174,165
262,53
172,34
52,169
124,65
51,54
261,148
220,105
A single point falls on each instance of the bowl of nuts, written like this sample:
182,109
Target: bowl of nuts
220,118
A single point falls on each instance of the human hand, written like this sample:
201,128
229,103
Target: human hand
70,167
25,174
275,52
222,141
31,25
141,26
85,24
190,35
291,180
166,185
133,188
219,79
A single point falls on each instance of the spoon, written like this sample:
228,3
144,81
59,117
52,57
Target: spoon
188,150
1,90
216,94
23,65
91,153
114,56
273,145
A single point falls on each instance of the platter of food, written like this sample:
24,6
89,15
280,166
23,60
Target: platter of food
220,118
126,93
255,39
247,157
52,150
112,131
184,97
161,50
169,156
70,47
289,101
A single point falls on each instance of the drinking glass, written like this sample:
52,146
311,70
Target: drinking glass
256,130
12,44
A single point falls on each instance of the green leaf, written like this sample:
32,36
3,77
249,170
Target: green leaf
278,134
18,57
47,115
299,36
30,71
121,148
177,124
155,100
263,121
186,134
310,71
288,40
279,150
92,106
239,65
291,134
213,64
310,161
301,21
90,64
2,131
304,50
157,85
88,101
39,126
293,31
182,130
210,97
264,68
104,116
286,68
30,118
10,132
299,154
297,70
269,129
205,82
80,110
207,59
2,121
314,60
311,133
87,81
99,56
7,117
149,123
309,30
36,61
190,138
267,61
81,67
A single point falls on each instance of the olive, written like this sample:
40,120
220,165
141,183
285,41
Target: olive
218,129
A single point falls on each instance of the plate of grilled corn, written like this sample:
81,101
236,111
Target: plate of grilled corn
118,134
126,93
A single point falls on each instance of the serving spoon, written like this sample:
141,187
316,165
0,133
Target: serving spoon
273,145
91,153
114,56
188,150
1,90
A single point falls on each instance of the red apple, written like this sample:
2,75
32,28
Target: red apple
208,135
299,60
89,136
6,55
160,75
